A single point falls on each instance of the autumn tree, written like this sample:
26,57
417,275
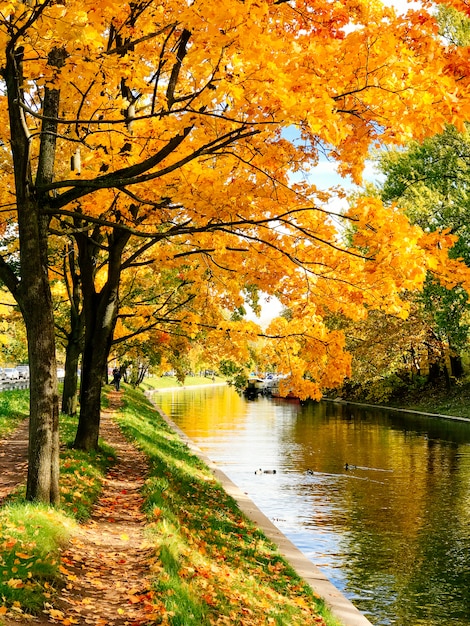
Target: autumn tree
388,352
158,306
163,123
429,180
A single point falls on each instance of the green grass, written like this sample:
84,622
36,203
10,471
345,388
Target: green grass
454,401
212,565
14,408
31,536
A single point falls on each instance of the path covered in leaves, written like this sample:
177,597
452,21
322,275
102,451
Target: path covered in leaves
13,459
107,560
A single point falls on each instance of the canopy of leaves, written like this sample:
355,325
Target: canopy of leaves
172,127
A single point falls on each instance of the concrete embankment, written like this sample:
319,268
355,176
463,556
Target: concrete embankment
339,605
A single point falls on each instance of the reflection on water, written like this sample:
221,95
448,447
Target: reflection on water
392,531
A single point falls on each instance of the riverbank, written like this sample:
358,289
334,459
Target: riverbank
205,562
385,407
453,401
339,605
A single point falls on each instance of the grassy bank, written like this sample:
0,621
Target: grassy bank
14,408
438,399
212,565
453,401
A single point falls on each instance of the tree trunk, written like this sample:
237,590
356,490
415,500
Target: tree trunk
73,352
43,456
101,310
456,365
36,304
75,337
94,360
33,290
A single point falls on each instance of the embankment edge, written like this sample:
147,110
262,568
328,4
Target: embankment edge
342,608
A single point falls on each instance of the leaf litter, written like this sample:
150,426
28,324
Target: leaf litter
106,563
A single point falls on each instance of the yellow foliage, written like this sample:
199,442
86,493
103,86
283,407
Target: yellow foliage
186,123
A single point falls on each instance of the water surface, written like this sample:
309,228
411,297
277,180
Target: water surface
392,531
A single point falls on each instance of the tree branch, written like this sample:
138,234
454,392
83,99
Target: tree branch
134,174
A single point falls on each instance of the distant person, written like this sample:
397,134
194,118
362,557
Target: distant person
116,378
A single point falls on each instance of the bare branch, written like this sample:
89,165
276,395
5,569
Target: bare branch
133,175
181,53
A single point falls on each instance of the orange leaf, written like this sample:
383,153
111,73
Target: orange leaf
134,599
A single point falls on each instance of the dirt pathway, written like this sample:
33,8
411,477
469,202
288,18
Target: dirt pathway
13,459
106,563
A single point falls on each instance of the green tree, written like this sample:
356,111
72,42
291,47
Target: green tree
431,181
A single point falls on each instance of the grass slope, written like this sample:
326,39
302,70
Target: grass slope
212,565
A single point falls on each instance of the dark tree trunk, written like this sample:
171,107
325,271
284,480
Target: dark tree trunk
43,456
75,337
32,292
73,352
95,356
445,369
434,372
456,366
101,310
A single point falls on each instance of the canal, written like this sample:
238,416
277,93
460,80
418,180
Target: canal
392,531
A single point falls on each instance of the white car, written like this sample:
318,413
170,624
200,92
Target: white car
11,373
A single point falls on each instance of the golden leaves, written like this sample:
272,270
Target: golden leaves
206,167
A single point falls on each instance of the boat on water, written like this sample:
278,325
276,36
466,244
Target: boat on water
254,387
266,386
